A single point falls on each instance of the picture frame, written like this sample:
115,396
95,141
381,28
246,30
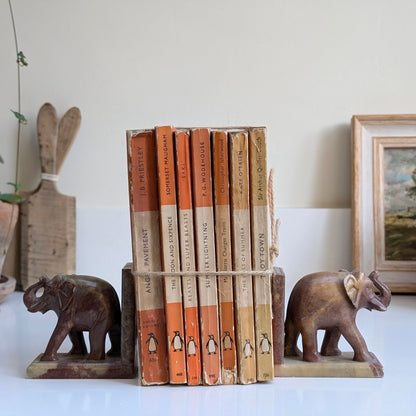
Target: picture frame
384,198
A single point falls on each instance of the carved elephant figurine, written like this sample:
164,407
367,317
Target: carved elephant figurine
82,303
330,301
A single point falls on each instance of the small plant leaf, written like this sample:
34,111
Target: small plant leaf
10,198
21,59
20,117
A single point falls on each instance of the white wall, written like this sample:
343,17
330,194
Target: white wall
302,68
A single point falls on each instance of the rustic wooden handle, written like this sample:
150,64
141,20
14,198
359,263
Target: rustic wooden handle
47,135
67,131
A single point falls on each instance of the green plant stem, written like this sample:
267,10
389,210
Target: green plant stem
14,206
19,127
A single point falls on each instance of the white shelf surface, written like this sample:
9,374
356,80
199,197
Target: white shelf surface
390,335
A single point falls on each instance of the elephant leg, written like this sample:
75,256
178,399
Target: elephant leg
97,341
310,346
115,338
57,338
291,339
330,343
357,342
78,342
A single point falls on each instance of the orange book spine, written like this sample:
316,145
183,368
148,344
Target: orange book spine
241,240
260,253
205,255
224,255
170,255
144,219
187,250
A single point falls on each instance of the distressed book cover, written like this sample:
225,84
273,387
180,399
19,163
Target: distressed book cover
241,244
144,218
205,255
187,250
260,253
170,255
224,255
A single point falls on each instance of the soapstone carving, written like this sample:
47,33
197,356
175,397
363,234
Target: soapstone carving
330,301
82,303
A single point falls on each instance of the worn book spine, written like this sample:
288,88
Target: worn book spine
187,250
170,255
241,243
260,253
205,255
144,216
224,255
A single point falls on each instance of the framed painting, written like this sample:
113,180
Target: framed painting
384,198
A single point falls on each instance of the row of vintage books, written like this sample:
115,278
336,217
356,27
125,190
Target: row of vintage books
200,242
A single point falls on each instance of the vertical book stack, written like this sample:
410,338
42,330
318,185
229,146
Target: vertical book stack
200,241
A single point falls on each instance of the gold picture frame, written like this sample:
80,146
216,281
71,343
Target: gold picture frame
384,198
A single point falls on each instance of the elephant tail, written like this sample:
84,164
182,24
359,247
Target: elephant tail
115,337
114,333
291,338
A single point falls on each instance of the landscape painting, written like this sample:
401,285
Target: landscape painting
400,203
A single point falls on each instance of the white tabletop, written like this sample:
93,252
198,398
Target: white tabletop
390,335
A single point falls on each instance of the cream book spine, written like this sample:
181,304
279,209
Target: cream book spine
260,253
241,241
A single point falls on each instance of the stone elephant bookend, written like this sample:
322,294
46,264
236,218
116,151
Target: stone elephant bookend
85,304
330,301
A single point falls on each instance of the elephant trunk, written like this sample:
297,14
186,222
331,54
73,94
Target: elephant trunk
30,298
385,293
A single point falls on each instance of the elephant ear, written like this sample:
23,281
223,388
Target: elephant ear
65,294
352,288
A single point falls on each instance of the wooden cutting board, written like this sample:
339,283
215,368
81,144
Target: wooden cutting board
47,216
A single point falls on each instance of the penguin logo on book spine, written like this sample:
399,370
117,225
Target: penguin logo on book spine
265,344
191,347
227,341
177,341
152,343
211,345
248,349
